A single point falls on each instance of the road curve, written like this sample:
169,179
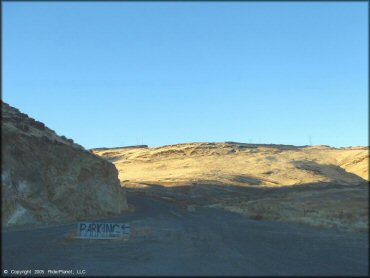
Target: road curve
167,239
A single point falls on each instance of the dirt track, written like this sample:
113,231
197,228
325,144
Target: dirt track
170,240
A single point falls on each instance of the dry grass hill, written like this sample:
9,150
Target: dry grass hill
314,185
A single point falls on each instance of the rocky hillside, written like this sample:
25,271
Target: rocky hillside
48,178
313,185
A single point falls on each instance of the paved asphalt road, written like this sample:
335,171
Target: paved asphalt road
170,240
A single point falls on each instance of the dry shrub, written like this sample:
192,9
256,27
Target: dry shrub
131,208
70,236
258,217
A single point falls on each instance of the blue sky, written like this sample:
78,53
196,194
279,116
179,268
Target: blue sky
114,74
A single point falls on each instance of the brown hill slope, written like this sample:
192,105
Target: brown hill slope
48,178
239,164
319,185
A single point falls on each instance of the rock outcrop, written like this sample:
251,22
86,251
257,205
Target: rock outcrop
48,178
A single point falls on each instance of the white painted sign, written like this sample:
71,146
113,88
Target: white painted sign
95,230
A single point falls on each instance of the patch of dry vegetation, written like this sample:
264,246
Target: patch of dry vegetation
318,186
344,209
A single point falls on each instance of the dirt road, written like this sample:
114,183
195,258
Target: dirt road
167,239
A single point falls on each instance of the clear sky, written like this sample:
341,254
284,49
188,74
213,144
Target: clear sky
115,74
